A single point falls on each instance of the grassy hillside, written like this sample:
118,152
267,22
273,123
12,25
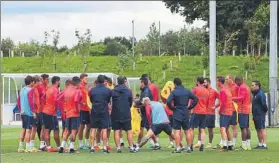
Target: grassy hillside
188,69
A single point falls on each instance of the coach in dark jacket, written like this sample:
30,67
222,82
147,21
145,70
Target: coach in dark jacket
259,109
100,97
180,98
122,100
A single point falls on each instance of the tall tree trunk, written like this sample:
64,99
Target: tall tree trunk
266,46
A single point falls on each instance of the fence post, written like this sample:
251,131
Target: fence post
171,64
134,65
179,57
2,54
23,54
38,54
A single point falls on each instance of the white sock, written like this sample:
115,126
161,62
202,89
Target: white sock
178,148
199,142
105,147
157,144
225,143
72,145
121,140
80,143
27,145
244,143
32,143
20,144
230,143
248,142
137,145
42,144
118,148
264,145
234,141
171,143
221,142
260,144
48,147
152,142
86,142
92,148
63,144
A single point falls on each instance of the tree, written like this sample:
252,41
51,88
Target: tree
7,44
29,48
114,48
230,15
84,43
169,42
153,39
122,40
142,47
125,60
258,27
97,49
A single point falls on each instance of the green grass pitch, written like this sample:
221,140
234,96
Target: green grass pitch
9,143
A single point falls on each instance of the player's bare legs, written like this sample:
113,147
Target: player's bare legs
202,136
32,138
248,139
80,135
56,137
140,137
235,133
42,138
92,137
27,139
188,139
47,137
98,138
224,137
87,133
177,139
210,135
105,138
199,140
21,140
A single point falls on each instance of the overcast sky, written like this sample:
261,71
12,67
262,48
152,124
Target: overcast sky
23,21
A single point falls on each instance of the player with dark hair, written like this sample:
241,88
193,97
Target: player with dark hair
42,88
122,101
84,114
49,114
100,97
226,112
198,118
28,113
244,101
178,102
259,110
71,98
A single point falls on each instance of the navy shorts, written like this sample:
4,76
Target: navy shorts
243,120
158,128
144,123
225,120
171,120
27,122
55,123
48,121
100,123
178,124
210,121
72,123
39,120
233,120
63,124
84,117
122,125
198,121
259,123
